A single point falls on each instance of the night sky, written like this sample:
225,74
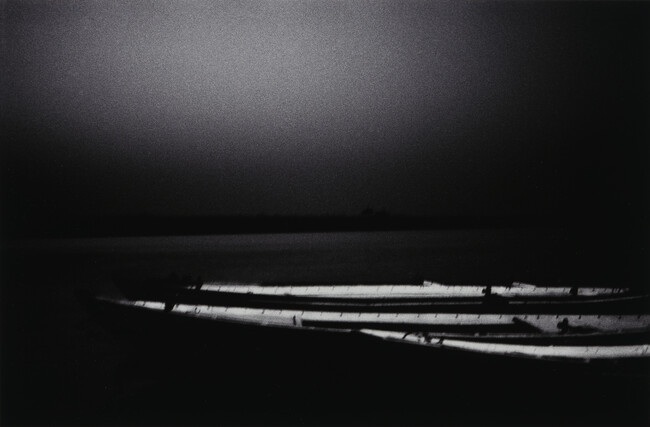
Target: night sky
325,107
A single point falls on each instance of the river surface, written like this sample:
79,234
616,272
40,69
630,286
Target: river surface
63,365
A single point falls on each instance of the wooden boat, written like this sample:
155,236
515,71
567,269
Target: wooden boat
427,291
420,322
612,305
553,352
426,298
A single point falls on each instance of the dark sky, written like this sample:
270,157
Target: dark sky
316,107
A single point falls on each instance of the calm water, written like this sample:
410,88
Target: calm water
61,364
549,257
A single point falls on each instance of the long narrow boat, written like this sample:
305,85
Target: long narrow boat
553,352
602,305
426,291
391,298
441,322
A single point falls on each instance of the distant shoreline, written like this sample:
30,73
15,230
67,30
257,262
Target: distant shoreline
153,225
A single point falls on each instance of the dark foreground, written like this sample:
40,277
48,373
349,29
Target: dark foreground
64,362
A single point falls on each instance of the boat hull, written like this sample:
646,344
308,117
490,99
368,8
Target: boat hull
542,325
534,351
255,296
